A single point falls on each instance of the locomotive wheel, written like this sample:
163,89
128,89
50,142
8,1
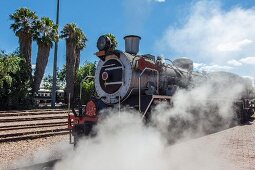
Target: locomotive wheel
238,113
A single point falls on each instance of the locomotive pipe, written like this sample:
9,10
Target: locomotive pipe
132,44
139,84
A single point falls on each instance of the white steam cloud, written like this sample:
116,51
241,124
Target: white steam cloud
200,110
125,142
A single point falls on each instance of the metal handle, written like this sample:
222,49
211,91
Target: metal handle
87,77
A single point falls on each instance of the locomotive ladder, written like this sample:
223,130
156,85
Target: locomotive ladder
155,97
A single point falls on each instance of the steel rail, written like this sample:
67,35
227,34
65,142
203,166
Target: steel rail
30,137
32,126
8,135
32,113
32,119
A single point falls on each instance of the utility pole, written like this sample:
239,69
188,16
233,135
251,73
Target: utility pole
54,85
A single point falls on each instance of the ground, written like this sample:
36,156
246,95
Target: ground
235,146
22,153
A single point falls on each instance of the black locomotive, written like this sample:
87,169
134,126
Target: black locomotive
125,78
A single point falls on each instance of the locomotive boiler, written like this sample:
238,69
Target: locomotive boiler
126,78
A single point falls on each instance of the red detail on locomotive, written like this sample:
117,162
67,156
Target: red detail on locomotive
142,64
105,76
91,108
73,120
100,53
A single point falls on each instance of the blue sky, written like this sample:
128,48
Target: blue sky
217,35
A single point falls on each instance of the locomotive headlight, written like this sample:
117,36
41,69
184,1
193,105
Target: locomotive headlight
103,43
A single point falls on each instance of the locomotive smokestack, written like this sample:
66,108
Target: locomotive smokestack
132,44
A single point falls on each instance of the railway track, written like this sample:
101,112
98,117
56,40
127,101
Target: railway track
31,126
28,125
31,113
31,119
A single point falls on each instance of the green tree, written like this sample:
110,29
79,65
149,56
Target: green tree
88,69
73,36
46,33
61,76
113,40
88,87
14,80
23,27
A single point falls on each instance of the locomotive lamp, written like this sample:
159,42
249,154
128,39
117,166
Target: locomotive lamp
104,43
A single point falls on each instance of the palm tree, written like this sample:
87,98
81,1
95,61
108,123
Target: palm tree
23,26
74,43
80,46
46,33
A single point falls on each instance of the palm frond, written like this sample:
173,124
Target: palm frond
23,20
46,31
73,33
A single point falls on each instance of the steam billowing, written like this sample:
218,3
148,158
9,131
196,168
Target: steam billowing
206,108
125,142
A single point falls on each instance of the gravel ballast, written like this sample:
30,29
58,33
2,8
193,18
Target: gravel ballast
27,152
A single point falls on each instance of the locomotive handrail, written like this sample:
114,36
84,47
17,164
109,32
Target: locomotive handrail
87,77
151,69
174,67
131,91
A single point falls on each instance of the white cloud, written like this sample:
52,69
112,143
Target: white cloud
234,62
233,46
211,34
160,0
211,67
197,65
248,60
242,61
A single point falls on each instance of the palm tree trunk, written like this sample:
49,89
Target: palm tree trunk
76,68
25,45
77,63
41,63
77,60
70,68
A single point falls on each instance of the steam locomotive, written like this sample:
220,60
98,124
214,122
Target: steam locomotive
125,78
